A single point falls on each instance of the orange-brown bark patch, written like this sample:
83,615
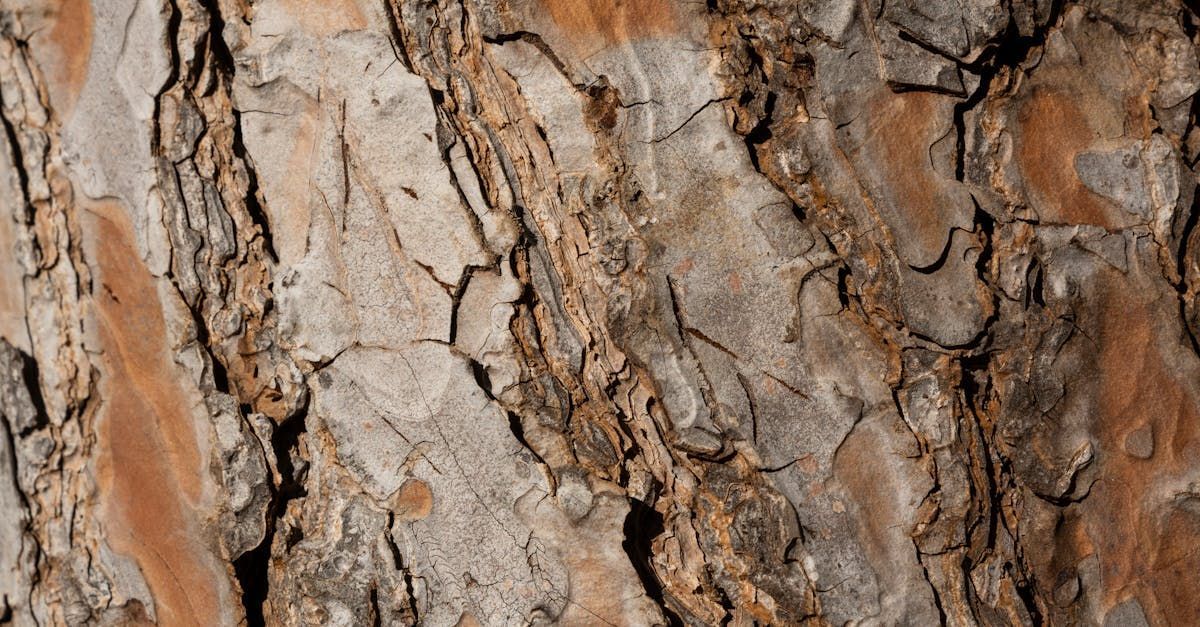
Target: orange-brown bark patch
467,620
64,49
903,126
320,18
614,21
414,501
150,470
1053,129
12,291
857,468
1142,538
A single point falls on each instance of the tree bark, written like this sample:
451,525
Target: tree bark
491,312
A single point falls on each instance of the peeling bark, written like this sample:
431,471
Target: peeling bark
458,312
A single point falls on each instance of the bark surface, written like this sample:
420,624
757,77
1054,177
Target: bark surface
613,312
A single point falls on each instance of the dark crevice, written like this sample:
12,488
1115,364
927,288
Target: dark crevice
456,295
254,206
940,261
397,558
843,286
1183,286
780,468
284,440
252,568
536,41
687,121
761,131
752,405
676,311
696,333
482,379
727,605
18,157
174,21
1011,51
518,430
251,572
798,211
632,452
32,380
219,374
757,63
903,88
937,598
1037,293
391,12
1026,591
1188,18
373,599
985,225
398,563
976,384
514,421
223,60
642,525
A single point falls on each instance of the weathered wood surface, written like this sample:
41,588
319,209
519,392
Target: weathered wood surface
621,312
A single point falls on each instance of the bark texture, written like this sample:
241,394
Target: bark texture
615,312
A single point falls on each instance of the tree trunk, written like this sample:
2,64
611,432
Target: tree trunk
628,312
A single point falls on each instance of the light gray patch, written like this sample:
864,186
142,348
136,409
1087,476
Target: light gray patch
1117,176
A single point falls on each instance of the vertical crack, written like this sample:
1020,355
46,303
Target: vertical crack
252,568
1183,286
223,60
642,525
761,132
18,157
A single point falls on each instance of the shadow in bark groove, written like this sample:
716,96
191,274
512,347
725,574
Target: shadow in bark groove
642,525
252,568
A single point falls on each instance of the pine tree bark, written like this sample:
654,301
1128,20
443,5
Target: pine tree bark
491,312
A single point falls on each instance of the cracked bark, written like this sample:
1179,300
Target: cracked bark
544,311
